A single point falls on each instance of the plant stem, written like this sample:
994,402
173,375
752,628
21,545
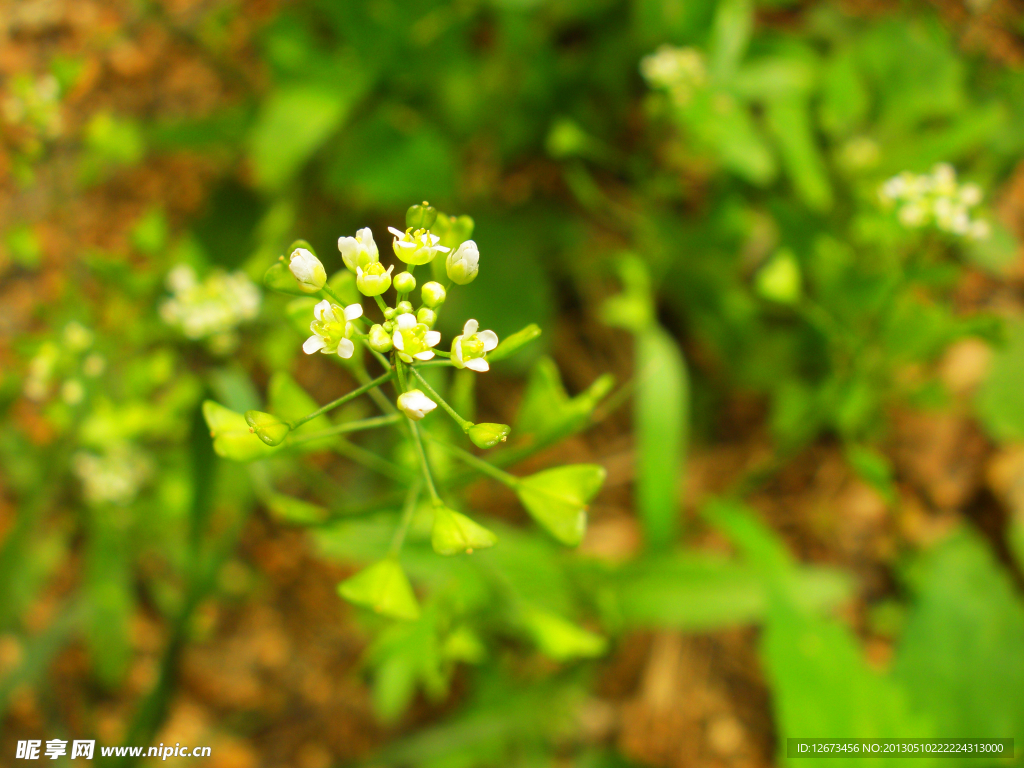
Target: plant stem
332,295
400,370
381,304
434,363
439,353
463,423
351,426
408,510
479,464
341,400
370,460
423,460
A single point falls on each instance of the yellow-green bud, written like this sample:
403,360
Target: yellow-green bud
389,326
308,270
405,282
403,307
380,339
268,428
463,264
488,435
420,216
427,316
433,294
373,280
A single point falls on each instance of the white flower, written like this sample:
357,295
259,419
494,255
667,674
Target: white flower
415,404
307,270
413,339
331,329
469,349
678,70
358,251
463,265
213,307
416,246
935,199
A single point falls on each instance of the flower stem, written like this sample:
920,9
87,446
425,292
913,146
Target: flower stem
479,464
341,400
380,303
423,461
332,295
400,370
351,426
408,510
463,423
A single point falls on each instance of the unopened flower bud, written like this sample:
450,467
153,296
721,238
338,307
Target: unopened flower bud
389,313
358,251
373,280
415,405
488,435
420,216
308,270
427,316
268,428
403,307
405,283
380,339
463,264
433,294
389,326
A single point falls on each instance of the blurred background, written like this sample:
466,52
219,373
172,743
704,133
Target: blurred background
789,233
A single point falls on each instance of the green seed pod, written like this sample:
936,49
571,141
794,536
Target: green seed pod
454,533
420,216
268,428
488,435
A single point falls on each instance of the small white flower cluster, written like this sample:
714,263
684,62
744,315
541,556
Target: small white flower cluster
35,103
114,477
211,309
680,71
936,198
63,360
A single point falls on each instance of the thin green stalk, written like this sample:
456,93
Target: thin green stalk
400,370
479,464
408,510
423,461
380,358
463,423
441,353
370,460
381,304
341,400
375,394
434,363
332,295
340,429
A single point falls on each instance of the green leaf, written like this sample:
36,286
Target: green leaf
1000,400
557,498
779,280
547,409
268,428
454,533
961,657
560,639
730,34
294,122
844,98
231,436
661,411
789,120
295,511
383,588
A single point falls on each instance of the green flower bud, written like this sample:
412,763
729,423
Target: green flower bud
268,428
453,230
420,216
380,339
427,316
454,533
389,313
403,308
405,282
433,294
488,435
373,280
307,270
463,264
389,326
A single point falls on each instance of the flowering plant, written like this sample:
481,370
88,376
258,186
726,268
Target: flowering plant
403,342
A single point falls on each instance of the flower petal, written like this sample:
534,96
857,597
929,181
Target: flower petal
352,311
433,338
398,341
478,364
424,355
457,352
470,327
396,232
313,344
489,338
346,348
407,320
320,309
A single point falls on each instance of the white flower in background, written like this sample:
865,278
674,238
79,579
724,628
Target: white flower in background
358,251
463,264
114,477
413,339
469,349
212,308
415,404
308,270
41,370
72,392
936,198
416,246
35,103
77,337
679,71
94,365
332,329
